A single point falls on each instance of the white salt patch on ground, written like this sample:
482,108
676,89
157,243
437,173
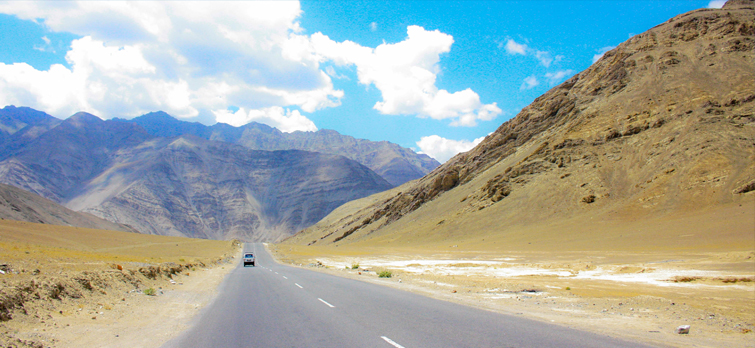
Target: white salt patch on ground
657,277
501,269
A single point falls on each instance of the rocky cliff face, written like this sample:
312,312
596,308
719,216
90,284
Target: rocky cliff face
663,123
184,186
223,191
394,163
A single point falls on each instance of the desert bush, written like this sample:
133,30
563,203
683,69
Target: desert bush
354,266
150,292
588,199
385,274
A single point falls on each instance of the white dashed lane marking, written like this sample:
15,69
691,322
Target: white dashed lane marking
390,341
300,287
326,303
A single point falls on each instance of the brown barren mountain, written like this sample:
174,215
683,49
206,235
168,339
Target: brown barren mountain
660,128
621,201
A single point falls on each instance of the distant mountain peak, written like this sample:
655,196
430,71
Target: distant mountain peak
158,115
84,118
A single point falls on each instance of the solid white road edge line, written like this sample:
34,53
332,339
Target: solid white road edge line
298,285
328,304
390,341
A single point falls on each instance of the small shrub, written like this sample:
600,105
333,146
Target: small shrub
568,288
588,199
150,292
385,274
354,266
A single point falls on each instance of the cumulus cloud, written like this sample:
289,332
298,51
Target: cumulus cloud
186,58
284,119
716,4
405,73
601,52
530,82
443,149
558,76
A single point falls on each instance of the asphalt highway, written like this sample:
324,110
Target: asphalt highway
272,305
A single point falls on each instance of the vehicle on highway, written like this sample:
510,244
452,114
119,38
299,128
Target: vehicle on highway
248,259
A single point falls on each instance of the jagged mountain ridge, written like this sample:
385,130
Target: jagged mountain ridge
394,163
184,185
662,124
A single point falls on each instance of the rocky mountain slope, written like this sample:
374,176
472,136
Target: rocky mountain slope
20,205
184,186
394,163
661,127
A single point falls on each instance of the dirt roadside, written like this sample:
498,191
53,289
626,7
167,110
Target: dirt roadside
72,287
117,315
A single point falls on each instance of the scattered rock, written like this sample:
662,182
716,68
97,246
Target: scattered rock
683,330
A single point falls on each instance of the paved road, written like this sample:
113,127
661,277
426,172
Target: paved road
273,305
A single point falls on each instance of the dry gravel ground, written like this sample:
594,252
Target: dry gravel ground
637,296
72,287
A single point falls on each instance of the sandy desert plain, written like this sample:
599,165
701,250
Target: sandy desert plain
623,279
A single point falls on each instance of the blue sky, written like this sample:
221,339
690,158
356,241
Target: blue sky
430,75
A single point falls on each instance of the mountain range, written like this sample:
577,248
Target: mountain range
183,184
394,163
656,134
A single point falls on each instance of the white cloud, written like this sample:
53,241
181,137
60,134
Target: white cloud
558,76
373,27
601,52
544,57
512,47
405,73
443,149
186,58
530,82
716,3
284,119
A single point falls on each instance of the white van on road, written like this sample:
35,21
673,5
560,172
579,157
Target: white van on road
248,259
